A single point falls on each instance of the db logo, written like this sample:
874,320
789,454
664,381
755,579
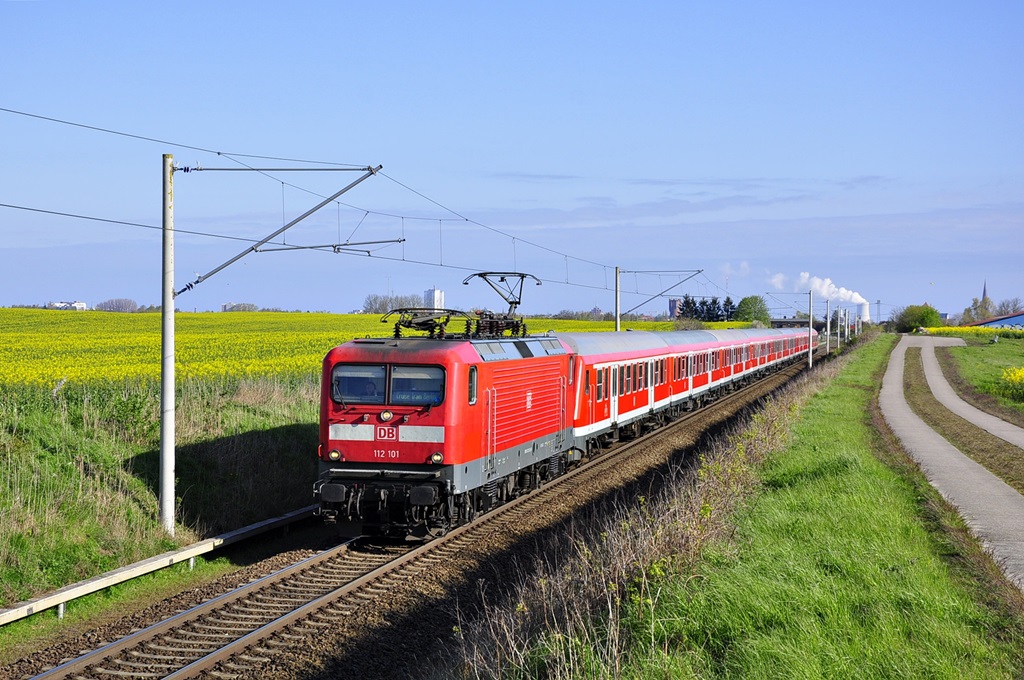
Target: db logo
387,433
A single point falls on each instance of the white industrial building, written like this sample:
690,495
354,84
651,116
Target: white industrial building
433,299
77,306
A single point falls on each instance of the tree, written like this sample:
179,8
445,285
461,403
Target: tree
118,305
710,309
753,308
978,311
1011,306
728,308
688,308
913,317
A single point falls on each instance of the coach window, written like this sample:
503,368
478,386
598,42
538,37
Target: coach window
472,384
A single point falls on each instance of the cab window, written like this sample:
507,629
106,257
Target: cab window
358,383
417,385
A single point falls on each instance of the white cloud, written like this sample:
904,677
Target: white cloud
778,281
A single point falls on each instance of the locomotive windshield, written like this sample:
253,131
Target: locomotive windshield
358,383
383,384
417,384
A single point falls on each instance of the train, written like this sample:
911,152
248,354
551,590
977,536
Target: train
420,434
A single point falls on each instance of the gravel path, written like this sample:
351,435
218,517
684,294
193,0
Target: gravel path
992,509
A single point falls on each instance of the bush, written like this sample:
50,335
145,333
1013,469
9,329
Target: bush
917,316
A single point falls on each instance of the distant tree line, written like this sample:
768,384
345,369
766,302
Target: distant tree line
707,309
118,305
983,309
910,318
382,304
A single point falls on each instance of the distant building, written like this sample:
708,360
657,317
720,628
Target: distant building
674,307
75,306
239,307
433,299
1014,321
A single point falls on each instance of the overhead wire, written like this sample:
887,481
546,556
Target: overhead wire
126,223
235,156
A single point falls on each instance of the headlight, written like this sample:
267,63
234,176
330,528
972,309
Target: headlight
334,454
386,415
437,458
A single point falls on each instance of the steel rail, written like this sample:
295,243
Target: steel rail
196,613
464,532
306,607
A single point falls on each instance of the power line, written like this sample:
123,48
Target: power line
489,228
144,138
234,157
123,222
331,249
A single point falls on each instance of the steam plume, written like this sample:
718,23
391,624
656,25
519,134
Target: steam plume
824,288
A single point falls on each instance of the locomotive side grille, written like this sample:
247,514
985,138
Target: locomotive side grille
528,401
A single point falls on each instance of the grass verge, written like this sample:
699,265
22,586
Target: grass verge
807,546
841,567
975,372
79,471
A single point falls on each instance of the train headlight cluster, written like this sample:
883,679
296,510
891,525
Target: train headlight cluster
386,415
437,458
334,454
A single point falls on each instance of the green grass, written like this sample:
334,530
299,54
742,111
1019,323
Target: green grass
79,465
79,471
981,364
833,571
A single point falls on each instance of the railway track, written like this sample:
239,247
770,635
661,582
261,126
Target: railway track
233,635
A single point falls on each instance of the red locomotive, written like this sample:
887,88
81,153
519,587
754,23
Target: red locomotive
420,434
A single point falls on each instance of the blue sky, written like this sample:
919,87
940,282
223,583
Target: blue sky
869,151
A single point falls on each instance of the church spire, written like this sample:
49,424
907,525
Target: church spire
984,290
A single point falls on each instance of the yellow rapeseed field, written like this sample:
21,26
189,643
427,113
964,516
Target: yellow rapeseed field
1014,379
43,347
977,332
